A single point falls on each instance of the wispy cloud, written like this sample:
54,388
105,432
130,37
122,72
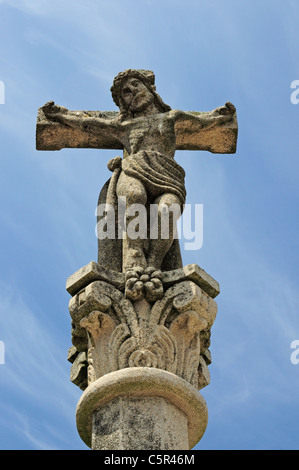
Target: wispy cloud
34,370
88,28
31,351
257,307
35,7
61,50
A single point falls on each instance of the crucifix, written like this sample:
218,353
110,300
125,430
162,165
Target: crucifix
141,320
149,132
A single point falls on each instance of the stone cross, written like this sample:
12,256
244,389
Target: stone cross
150,132
140,320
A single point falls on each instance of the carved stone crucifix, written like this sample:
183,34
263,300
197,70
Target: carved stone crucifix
149,132
140,320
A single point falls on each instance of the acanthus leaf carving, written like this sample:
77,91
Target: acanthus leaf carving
171,333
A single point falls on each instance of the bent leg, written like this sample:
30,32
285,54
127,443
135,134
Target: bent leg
134,193
168,213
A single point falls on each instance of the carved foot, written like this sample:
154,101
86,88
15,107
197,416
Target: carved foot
144,283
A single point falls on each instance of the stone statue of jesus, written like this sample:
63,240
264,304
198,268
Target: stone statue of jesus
148,173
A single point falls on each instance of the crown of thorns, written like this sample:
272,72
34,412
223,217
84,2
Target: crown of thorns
146,76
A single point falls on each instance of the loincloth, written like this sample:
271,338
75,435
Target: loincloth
158,173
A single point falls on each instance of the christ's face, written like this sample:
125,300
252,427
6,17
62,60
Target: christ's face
136,95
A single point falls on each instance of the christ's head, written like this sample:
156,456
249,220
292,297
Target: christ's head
135,93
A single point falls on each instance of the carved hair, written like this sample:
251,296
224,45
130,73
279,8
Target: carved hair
147,77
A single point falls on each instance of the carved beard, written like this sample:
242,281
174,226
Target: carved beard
141,101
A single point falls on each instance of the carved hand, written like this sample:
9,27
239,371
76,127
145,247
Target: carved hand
52,110
227,110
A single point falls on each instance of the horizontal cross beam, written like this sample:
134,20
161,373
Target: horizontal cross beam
52,135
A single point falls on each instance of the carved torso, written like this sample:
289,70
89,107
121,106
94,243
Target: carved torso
154,133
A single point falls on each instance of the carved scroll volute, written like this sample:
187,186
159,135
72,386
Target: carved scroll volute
89,299
186,331
99,327
172,334
197,313
192,297
93,322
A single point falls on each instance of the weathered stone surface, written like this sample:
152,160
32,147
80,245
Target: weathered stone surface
141,321
150,132
52,136
93,272
97,272
79,366
170,333
136,383
139,423
196,274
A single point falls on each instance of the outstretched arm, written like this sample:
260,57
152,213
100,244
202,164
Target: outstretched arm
209,119
81,120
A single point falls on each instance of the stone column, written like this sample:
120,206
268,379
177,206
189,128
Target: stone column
141,362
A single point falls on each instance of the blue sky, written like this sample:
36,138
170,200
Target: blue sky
204,53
